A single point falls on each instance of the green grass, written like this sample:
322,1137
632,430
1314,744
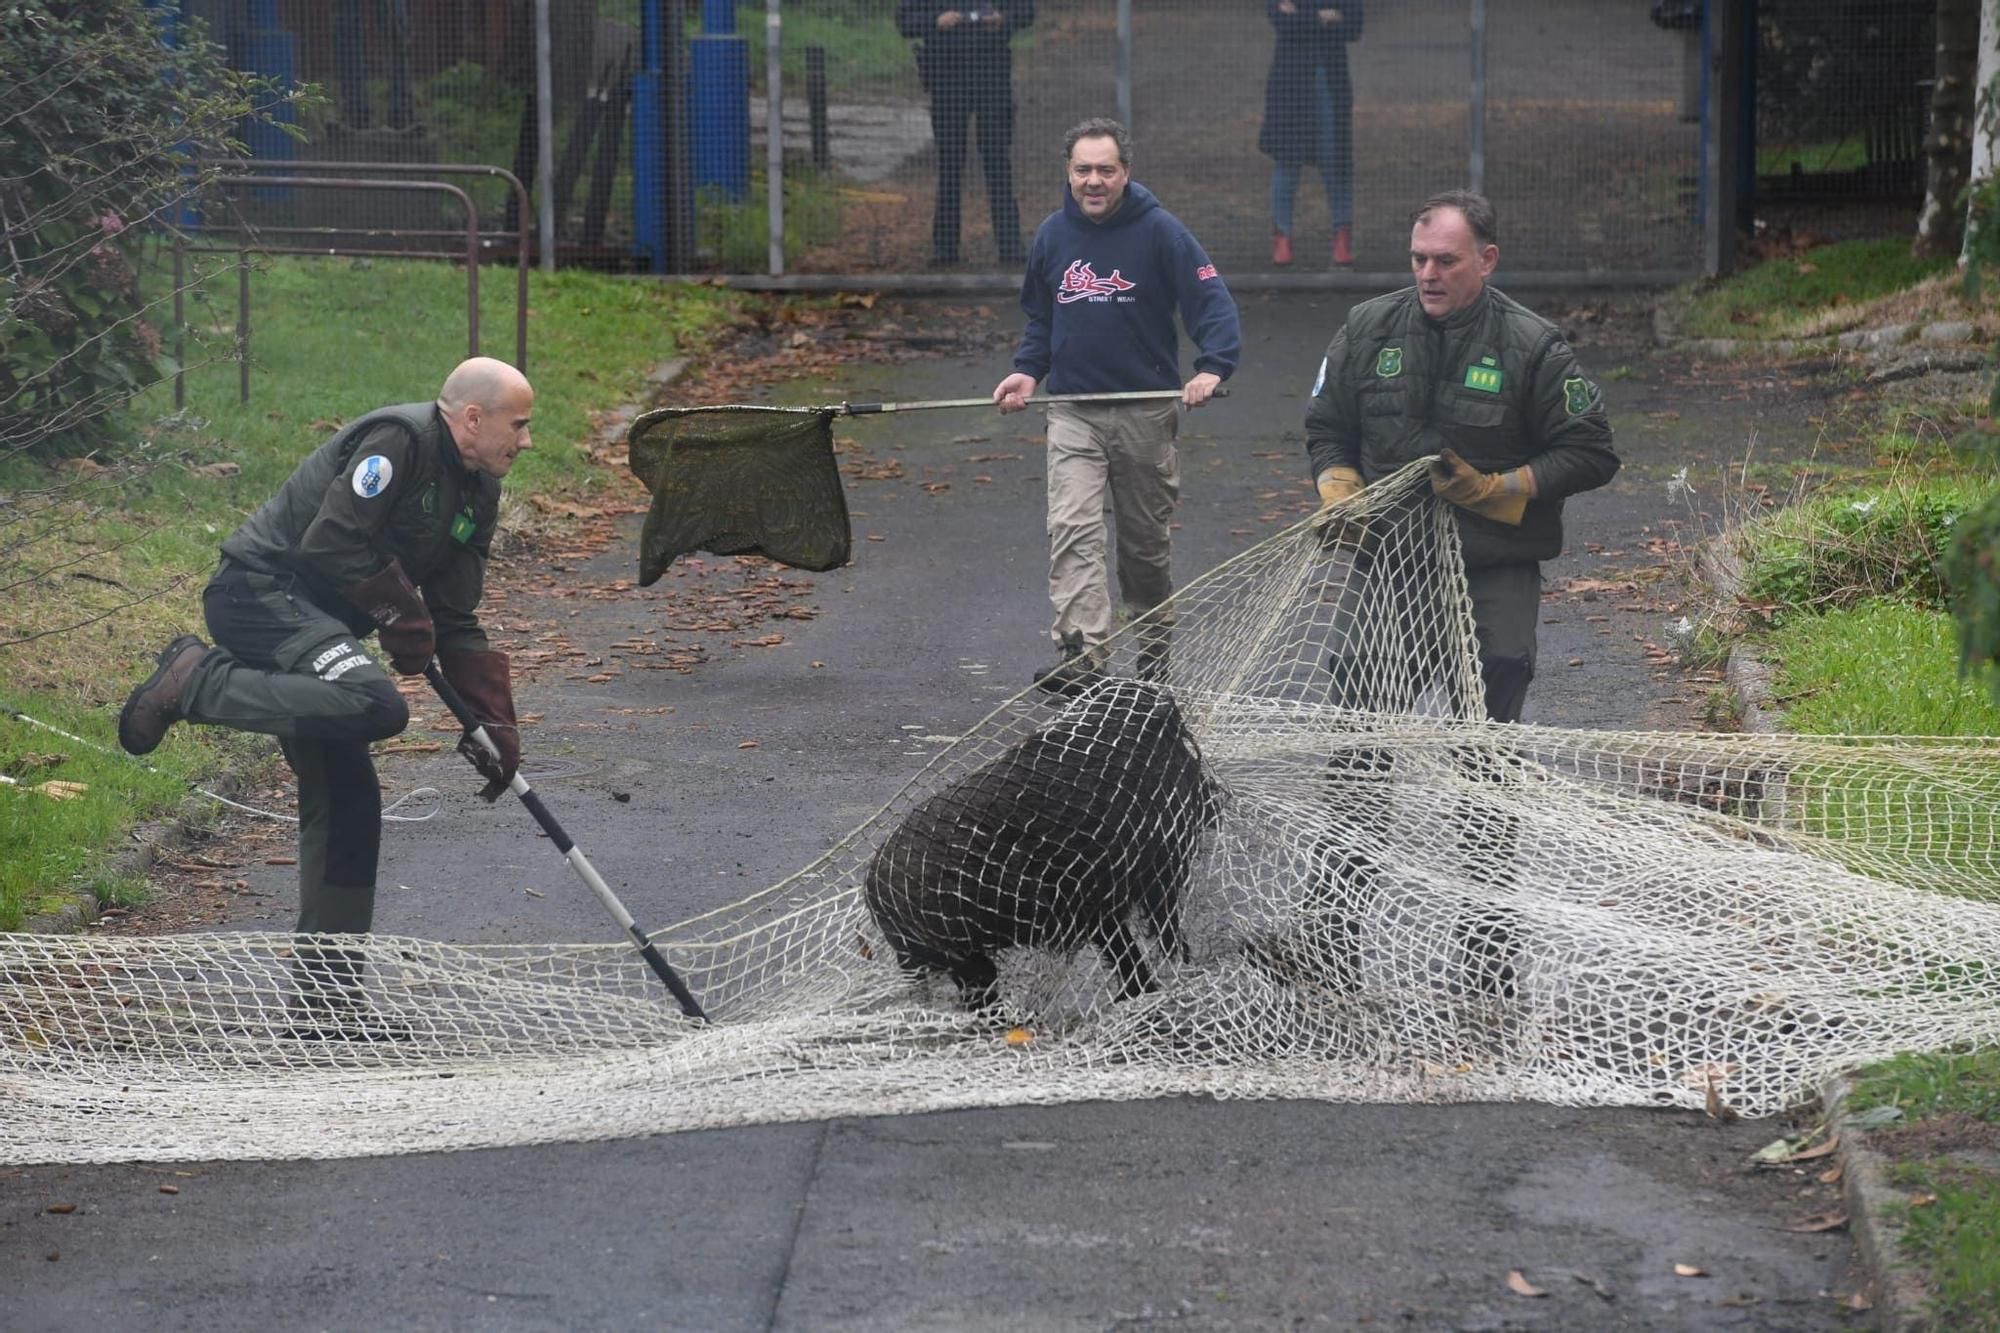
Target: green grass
1832,680
50,848
1837,549
1934,1083
1773,299
737,237
1811,158
333,338
863,49
330,339
1956,1237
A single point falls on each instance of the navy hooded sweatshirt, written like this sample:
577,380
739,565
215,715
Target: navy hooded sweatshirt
1101,297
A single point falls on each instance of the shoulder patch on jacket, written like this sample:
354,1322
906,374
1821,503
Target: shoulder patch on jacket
371,475
1577,394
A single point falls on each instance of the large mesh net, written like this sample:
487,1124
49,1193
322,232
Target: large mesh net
1208,871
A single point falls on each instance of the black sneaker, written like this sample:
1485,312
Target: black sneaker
156,705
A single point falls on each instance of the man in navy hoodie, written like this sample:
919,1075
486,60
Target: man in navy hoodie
1105,275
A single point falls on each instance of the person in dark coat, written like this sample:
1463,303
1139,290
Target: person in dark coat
967,68
1309,116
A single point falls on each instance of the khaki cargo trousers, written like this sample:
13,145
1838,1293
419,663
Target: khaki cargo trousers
1123,454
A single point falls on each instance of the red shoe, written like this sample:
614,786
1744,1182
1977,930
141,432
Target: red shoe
1343,248
1281,249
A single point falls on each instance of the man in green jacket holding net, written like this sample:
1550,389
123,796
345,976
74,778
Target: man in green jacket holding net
1452,370
385,528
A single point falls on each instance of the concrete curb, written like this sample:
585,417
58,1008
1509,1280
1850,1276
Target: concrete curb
1901,1294
1874,1213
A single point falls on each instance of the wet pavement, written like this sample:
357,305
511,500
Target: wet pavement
1205,1214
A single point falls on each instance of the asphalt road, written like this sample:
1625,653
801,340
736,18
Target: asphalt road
1207,1214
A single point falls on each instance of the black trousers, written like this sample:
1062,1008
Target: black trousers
1506,605
953,112
293,671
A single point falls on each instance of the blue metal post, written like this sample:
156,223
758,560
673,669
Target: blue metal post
168,14
269,50
649,196
719,102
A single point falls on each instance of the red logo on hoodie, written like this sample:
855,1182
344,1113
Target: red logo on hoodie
1081,283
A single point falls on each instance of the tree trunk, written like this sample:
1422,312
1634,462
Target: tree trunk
1948,144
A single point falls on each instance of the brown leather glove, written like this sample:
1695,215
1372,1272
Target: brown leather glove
484,680
1337,484
1502,496
391,601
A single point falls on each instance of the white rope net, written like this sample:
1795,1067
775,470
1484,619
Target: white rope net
1287,862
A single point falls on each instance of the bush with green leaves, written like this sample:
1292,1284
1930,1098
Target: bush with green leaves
1835,551
103,122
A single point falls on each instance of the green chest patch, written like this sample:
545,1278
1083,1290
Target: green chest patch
462,526
1486,379
1389,363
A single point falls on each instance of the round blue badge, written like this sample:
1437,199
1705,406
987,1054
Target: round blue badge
371,476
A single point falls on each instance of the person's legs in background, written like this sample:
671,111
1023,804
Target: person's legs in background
951,116
1284,192
1334,139
996,148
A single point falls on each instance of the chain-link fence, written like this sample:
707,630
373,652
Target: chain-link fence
1583,119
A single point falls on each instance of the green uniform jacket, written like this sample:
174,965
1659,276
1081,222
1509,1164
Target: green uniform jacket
388,486
1495,382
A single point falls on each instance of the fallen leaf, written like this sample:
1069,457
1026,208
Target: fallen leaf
216,469
1922,1199
170,1189
1520,1286
1019,1036
1859,1301
1830,1176
61,1208
1712,1101
1820,1222
748,745
1689,1270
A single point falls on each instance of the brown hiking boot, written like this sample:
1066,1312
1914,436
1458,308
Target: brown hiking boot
156,704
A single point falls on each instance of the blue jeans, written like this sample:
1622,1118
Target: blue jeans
1333,154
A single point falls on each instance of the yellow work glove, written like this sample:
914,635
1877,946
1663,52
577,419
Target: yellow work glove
1501,496
1337,484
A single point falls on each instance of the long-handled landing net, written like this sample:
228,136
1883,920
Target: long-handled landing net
747,480
1285,862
